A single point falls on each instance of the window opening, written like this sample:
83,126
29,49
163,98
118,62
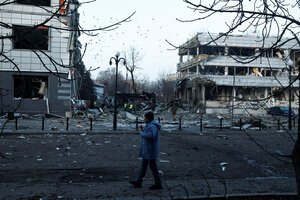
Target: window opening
33,87
28,38
35,2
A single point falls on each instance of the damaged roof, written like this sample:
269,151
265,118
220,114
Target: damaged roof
246,41
248,81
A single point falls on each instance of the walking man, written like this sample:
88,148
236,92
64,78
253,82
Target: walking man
149,151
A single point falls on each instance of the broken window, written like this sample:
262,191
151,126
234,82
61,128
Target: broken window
220,70
212,50
268,72
35,2
241,51
231,71
30,87
273,53
243,93
241,71
248,51
212,70
278,93
266,52
193,52
193,69
212,93
234,51
294,54
278,53
28,38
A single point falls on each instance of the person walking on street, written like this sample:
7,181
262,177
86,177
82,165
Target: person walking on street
149,152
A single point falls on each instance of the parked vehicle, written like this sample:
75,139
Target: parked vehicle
280,111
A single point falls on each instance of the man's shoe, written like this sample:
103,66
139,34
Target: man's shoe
155,187
136,184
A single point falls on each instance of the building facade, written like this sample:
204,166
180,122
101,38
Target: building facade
36,56
239,71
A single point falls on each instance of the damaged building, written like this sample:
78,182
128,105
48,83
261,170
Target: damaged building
35,56
216,75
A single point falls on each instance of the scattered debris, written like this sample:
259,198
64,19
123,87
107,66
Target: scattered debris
223,165
51,115
222,137
246,126
129,116
163,161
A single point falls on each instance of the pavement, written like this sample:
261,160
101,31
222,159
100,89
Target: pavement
98,165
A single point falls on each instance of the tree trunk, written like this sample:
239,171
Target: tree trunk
296,164
133,84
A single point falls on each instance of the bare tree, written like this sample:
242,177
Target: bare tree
108,78
165,88
132,57
267,18
143,83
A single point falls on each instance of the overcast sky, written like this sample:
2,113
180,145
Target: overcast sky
154,22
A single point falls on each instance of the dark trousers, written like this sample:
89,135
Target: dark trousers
143,170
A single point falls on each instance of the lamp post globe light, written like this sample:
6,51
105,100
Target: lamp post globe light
116,59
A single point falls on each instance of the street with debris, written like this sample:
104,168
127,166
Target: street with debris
99,165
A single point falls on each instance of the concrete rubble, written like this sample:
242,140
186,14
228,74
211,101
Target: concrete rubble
96,119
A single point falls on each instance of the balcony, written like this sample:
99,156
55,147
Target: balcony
205,60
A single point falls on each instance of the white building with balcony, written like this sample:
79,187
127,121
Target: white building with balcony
238,69
35,56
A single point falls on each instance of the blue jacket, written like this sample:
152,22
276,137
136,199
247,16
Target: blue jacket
150,141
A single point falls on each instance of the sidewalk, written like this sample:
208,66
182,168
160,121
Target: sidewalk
124,191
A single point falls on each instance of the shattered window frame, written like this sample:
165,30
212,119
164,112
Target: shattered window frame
28,38
30,87
35,2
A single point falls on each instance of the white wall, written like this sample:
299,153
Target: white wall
28,15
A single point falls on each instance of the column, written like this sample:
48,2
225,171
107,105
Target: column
198,93
226,53
203,94
194,95
228,95
266,92
233,93
180,58
223,88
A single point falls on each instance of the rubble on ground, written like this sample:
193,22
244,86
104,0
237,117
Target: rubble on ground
86,117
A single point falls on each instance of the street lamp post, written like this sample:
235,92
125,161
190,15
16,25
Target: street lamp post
290,66
117,59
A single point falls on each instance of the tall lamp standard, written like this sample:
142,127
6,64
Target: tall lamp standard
290,63
117,59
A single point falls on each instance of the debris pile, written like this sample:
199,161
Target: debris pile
130,112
